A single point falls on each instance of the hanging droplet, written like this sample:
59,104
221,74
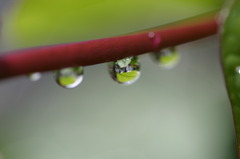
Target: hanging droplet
34,76
167,58
125,71
69,77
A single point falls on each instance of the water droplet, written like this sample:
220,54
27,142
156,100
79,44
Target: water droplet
151,34
69,77
167,58
34,76
156,40
125,71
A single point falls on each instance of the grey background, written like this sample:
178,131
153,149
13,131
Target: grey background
179,113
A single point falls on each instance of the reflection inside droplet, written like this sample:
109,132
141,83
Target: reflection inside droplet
125,71
167,58
69,77
34,76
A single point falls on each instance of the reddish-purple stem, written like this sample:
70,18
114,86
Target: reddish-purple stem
102,50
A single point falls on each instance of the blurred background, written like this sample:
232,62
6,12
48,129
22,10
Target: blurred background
181,113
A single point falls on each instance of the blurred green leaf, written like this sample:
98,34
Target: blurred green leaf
44,22
231,61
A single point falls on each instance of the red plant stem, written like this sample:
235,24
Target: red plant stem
101,50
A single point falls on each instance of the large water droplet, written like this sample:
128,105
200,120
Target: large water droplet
69,77
34,76
125,71
167,58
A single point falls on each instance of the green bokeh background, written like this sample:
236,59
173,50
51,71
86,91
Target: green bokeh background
180,113
43,22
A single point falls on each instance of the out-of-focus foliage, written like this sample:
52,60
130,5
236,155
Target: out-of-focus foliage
231,61
43,22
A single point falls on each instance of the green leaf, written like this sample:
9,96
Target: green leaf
231,61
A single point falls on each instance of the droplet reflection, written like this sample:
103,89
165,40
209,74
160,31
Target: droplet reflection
69,77
167,58
125,71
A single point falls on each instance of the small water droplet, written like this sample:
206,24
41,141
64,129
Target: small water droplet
167,58
34,76
125,71
69,77
156,40
151,34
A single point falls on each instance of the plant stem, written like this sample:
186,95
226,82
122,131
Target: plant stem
49,58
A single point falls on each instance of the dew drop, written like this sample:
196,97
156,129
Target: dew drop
151,34
125,71
34,76
167,58
69,77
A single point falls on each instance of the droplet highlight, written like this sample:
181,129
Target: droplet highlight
167,58
125,71
34,76
238,69
151,34
69,77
